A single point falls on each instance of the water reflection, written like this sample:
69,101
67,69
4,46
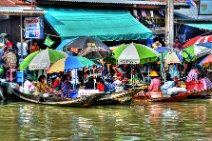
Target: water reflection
155,121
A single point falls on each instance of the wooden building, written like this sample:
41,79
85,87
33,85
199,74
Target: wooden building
11,13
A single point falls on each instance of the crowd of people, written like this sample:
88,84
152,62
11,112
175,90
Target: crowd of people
108,78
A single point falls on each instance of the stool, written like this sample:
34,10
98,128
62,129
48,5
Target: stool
10,74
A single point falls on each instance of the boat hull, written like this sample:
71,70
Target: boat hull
176,98
118,97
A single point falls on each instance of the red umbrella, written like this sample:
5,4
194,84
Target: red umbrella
198,40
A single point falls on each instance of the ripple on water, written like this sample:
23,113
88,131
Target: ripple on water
190,120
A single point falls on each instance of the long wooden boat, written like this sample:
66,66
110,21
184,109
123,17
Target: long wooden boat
5,92
175,98
84,101
11,91
118,97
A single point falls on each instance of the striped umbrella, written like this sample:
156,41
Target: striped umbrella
41,60
206,61
134,54
193,52
70,63
198,40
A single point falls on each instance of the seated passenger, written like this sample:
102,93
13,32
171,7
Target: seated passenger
154,88
66,86
41,85
100,85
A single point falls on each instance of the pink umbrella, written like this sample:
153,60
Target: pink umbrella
198,40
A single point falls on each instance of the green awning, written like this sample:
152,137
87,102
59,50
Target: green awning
106,25
201,26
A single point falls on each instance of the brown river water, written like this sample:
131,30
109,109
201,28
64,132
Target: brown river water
190,120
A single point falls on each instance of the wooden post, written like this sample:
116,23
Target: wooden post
170,23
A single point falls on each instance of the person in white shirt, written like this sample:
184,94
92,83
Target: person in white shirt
24,50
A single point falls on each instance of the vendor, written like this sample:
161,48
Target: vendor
155,84
41,85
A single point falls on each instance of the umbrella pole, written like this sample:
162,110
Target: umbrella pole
148,72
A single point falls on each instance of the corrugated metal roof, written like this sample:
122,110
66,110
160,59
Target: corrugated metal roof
142,2
12,2
191,14
19,10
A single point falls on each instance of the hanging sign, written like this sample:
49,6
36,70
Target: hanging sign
34,28
205,7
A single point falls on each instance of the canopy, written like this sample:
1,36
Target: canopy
201,26
103,24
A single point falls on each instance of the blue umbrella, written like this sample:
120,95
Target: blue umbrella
64,43
207,44
162,49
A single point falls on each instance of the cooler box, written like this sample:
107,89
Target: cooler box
73,94
19,76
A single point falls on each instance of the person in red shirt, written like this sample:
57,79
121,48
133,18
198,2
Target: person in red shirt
177,44
8,43
100,86
56,83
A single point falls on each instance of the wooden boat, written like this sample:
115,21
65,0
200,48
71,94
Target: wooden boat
84,101
5,93
202,93
118,97
175,98
12,90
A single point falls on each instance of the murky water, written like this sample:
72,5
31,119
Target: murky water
185,121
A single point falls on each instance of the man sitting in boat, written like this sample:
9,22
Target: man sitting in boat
168,84
154,88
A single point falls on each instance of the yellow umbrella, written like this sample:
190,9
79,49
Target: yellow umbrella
171,58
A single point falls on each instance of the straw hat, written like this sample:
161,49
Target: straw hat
153,73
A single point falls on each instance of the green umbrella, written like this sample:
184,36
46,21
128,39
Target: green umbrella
135,54
41,60
27,60
191,53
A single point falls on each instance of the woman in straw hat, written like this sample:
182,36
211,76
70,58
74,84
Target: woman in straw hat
154,88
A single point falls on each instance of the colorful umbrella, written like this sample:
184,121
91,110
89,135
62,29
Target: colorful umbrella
27,60
193,52
172,57
198,40
70,63
135,54
41,60
206,61
62,45
207,44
